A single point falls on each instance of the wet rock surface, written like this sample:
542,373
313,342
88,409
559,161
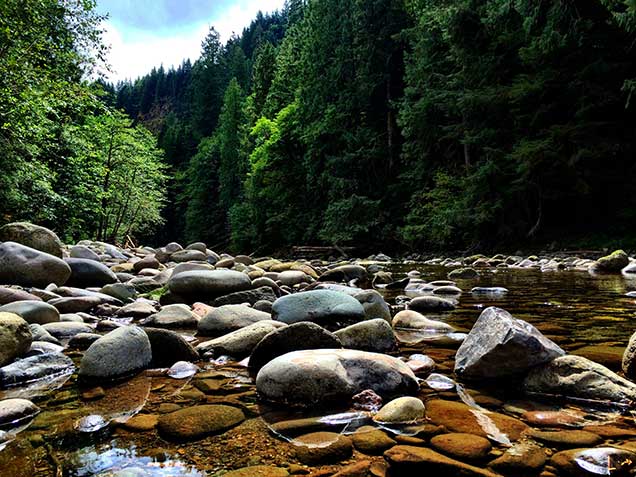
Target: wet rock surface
159,407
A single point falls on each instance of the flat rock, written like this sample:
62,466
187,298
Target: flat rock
296,337
332,310
372,441
319,376
197,422
258,471
462,446
21,265
579,378
458,417
567,439
239,343
499,345
120,353
228,318
523,458
411,460
77,304
320,448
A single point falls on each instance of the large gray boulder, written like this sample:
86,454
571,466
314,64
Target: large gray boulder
330,309
228,318
205,285
34,236
579,378
371,335
321,376
33,311
499,345
296,337
239,343
15,337
120,353
89,273
22,265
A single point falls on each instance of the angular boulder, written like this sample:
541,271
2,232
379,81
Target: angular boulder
22,265
330,309
499,345
322,376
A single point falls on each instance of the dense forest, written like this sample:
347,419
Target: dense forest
386,124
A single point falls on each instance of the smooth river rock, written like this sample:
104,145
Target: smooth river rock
576,377
371,335
296,337
89,273
21,265
228,318
197,422
34,236
15,337
330,309
33,311
208,284
120,353
239,343
319,376
499,345
15,411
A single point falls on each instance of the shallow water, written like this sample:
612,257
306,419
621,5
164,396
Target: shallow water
77,437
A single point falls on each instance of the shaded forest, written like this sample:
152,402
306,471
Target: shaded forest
386,124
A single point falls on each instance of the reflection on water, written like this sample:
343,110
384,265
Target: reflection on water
110,460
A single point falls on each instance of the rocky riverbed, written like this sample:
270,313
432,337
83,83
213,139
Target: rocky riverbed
184,362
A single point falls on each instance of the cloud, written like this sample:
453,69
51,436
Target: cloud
135,51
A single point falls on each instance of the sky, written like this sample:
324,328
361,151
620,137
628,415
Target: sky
144,34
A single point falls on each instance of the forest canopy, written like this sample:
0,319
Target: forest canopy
394,124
